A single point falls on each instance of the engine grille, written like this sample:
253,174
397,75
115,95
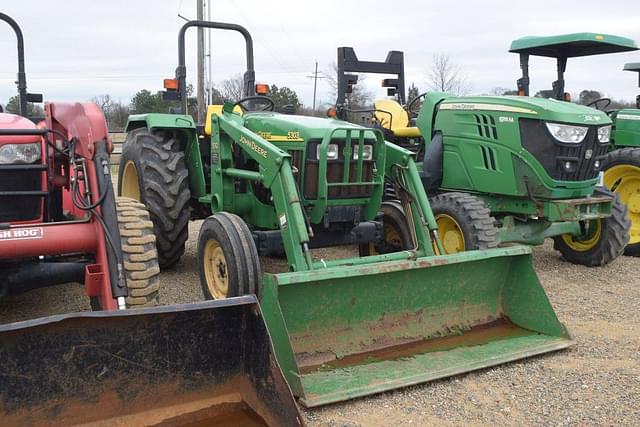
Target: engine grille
554,155
335,172
20,208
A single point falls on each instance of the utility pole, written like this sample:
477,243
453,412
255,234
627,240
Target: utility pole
200,84
209,69
315,78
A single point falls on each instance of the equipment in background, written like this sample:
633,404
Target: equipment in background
513,169
621,165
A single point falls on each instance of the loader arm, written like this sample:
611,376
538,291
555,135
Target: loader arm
274,172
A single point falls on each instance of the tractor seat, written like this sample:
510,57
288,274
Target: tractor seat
392,116
217,110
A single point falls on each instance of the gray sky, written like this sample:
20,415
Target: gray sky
78,49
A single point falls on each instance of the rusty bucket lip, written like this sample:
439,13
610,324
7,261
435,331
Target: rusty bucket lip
163,309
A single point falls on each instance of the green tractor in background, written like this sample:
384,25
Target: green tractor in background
267,184
507,169
621,166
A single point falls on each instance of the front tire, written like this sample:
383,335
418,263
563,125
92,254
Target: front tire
139,255
622,176
397,233
603,240
464,223
153,171
228,262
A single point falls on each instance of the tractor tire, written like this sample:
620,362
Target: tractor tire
622,176
153,171
464,223
605,241
397,233
228,262
140,258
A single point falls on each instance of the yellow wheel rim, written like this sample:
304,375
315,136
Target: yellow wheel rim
391,236
130,186
583,244
215,270
624,180
450,234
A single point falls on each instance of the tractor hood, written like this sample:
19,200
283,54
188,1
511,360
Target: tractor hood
14,122
525,106
279,127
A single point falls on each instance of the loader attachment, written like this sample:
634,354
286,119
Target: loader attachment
349,331
199,364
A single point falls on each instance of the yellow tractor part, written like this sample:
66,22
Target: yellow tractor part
450,233
130,186
624,180
584,244
391,115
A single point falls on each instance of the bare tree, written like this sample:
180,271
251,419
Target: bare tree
360,97
232,88
446,76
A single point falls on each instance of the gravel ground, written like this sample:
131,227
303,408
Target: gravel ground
595,382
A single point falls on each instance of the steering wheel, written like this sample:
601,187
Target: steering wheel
413,102
260,100
595,105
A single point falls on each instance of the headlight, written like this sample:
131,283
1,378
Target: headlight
20,153
367,152
604,133
332,152
567,133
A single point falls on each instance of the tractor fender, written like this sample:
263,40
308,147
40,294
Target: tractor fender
160,120
427,115
431,173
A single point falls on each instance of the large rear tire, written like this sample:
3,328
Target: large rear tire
603,240
153,171
397,233
464,223
228,262
622,176
139,255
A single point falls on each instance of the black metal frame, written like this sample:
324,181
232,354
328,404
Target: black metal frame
23,96
557,86
349,62
181,70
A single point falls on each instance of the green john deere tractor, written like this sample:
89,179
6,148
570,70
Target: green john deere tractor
621,166
267,183
509,169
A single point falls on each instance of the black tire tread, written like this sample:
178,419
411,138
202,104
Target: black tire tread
478,226
624,156
164,188
615,232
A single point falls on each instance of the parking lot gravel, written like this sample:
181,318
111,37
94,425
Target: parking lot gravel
595,382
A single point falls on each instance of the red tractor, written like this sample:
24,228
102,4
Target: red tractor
59,218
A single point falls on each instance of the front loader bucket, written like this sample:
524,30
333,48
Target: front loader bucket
343,332
199,364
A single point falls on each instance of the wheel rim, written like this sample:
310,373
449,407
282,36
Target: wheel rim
215,270
587,242
624,180
130,186
392,241
450,234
